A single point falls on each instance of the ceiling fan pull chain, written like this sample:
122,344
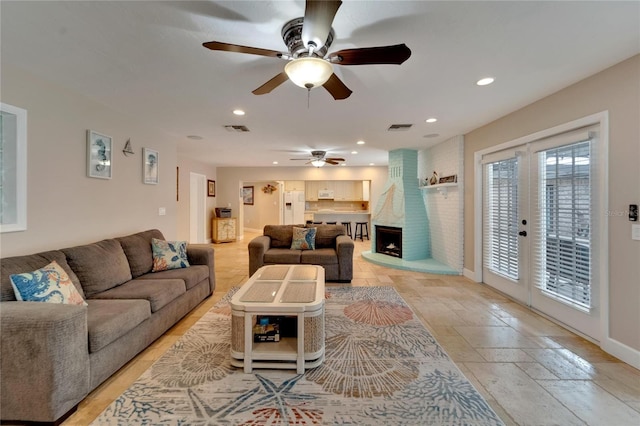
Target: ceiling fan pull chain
308,96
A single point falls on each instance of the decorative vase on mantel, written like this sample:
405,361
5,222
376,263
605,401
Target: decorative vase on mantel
434,178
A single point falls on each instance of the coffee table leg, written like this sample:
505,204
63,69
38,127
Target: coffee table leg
300,360
248,342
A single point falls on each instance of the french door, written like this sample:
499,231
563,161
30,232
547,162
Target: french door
539,201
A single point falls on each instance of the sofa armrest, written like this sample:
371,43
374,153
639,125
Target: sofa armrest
257,248
344,249
44,359
203,254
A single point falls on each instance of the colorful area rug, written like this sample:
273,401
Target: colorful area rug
382,367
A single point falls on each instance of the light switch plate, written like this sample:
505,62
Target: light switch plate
162,211
635,232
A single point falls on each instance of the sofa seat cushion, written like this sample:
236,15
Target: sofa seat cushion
192,275
324,256
137,247
99,266
108,320
158,292
282,255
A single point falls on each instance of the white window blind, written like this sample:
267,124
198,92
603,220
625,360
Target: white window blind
562,240
501,218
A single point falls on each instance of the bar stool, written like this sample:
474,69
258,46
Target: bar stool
362,230
309,222
332,223
347,227
317,223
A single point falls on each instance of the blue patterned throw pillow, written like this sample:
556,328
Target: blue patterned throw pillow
303,239
169,255
50,284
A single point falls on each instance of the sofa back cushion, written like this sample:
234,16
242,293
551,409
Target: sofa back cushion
137,248
99,266
281,235
326,235
22,264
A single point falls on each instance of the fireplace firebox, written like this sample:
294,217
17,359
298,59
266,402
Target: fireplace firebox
389,240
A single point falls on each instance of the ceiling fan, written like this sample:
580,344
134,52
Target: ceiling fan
308,40
319,159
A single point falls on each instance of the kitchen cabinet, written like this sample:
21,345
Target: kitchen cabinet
294,185
311,190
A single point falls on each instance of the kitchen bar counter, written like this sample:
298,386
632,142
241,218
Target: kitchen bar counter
340,216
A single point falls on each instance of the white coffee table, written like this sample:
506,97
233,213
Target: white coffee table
280,290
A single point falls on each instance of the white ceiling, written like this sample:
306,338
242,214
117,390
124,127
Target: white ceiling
145,59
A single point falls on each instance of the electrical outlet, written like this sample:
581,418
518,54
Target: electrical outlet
162,211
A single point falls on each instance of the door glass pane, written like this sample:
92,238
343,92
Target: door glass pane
564,202
501,218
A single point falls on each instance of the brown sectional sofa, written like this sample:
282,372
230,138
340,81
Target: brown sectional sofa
53,355
334,250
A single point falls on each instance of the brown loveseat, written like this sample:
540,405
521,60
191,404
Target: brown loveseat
333,250
53,355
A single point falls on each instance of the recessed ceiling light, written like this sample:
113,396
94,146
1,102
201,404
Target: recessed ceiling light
431,120
275,162
372,164
484,81
343,164
360,142
195,137
432,135
238,112
354,152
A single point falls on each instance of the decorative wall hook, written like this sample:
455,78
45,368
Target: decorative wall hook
127,148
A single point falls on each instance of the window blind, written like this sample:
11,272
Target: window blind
501,218
562,240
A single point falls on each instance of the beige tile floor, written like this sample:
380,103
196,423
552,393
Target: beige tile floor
531,371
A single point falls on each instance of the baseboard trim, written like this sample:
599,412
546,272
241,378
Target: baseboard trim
471,275
625,353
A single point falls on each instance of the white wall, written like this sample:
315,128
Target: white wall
64,206
445,212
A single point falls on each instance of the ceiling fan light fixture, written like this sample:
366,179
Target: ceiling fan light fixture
317,163
309,72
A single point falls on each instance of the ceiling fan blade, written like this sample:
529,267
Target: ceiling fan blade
335,159
271,84
228,47
395,54
330,161
337,88
318,17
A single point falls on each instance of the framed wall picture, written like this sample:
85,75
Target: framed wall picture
99,151
150,166
247,195
211,188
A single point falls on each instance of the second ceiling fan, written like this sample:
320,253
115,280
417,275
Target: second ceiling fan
308,40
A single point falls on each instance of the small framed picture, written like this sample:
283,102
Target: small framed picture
99,155
247,195
449,179
211,188
150,166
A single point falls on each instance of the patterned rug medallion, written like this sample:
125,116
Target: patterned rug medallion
381,367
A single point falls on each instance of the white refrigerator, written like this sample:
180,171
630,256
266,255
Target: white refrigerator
294,205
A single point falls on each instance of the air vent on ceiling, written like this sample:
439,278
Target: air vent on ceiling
234,128
399,127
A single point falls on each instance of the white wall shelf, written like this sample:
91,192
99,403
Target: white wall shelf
442,188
